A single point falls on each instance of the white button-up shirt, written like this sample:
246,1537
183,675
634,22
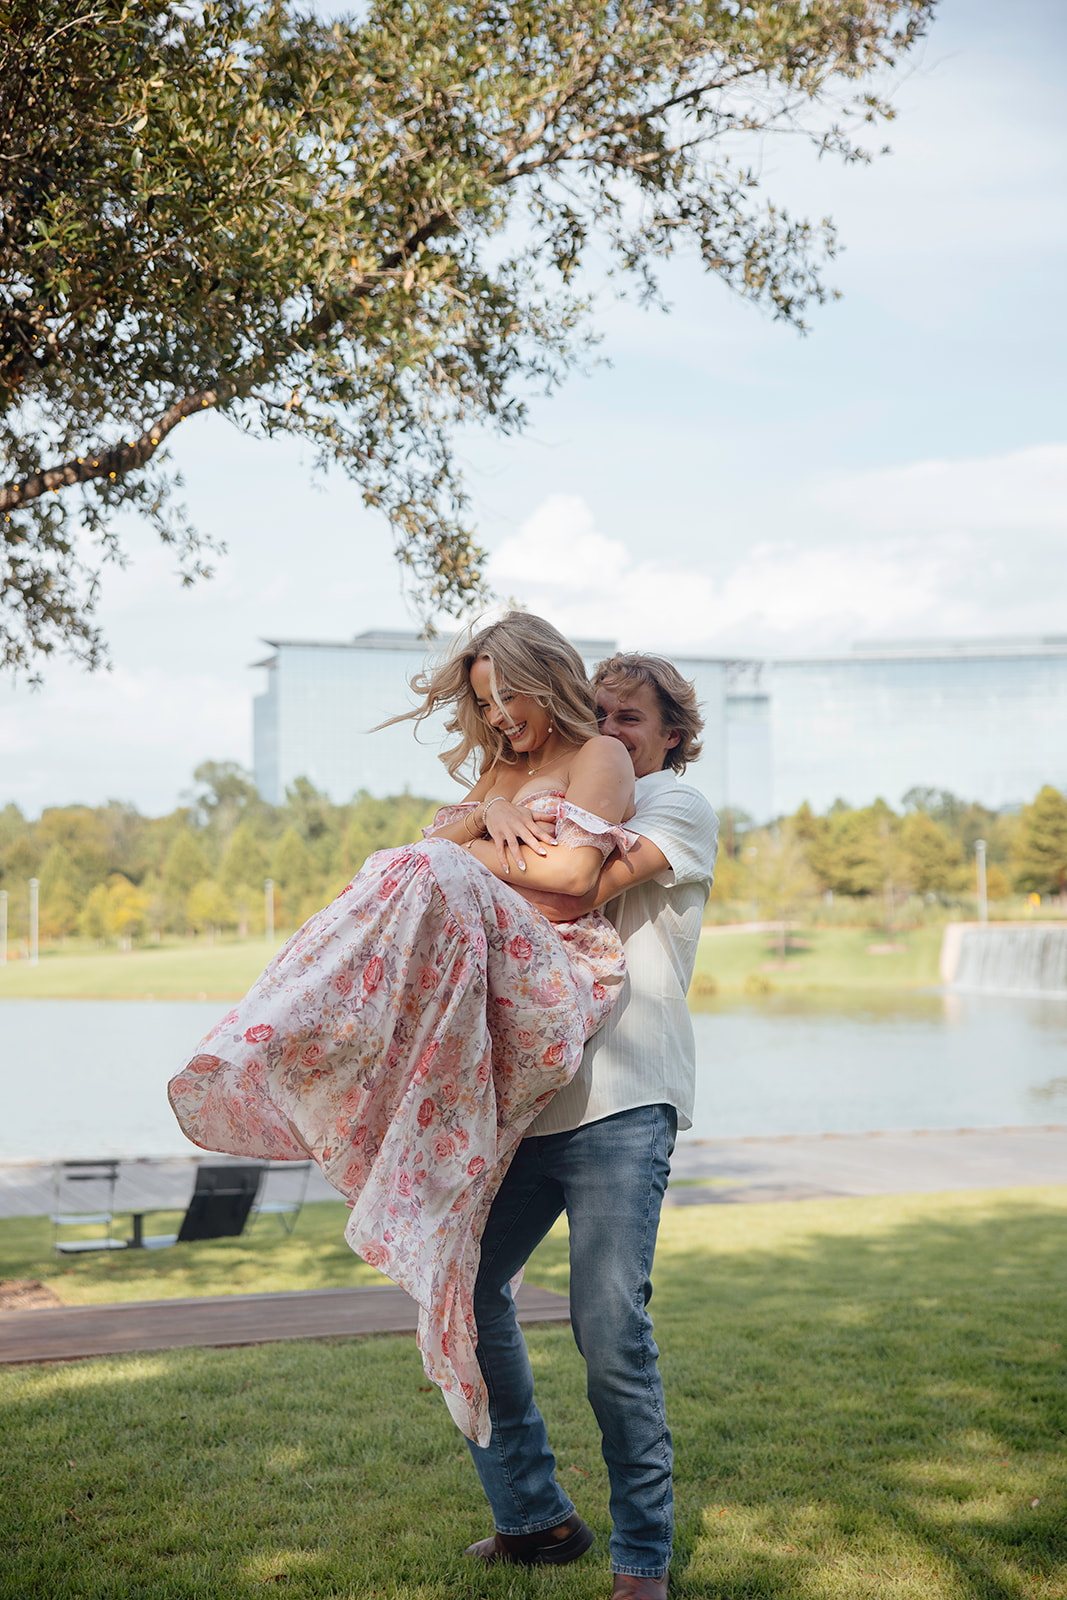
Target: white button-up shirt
645,1053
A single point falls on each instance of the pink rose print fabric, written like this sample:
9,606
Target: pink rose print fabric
406,1036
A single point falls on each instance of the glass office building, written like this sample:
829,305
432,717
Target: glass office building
323,703
984,719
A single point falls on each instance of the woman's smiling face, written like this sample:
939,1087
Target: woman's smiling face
520,718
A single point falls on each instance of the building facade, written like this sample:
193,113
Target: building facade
986,719
319,717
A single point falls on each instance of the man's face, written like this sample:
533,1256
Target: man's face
631,714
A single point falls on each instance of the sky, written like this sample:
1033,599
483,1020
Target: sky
719,484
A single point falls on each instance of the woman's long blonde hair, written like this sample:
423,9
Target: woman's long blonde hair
527,655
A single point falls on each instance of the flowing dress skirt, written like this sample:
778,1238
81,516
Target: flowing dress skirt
406,1036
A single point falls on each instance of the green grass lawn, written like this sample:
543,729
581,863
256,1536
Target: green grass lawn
182,970
829,958
867,1400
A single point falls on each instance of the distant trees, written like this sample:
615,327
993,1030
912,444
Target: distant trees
873,854
112,875
1040,855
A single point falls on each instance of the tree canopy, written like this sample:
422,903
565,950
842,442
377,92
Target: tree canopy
363,233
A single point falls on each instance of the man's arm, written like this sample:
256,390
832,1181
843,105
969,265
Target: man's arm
645,861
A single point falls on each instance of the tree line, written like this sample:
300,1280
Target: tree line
109,874
877,855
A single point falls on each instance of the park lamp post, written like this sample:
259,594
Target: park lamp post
34,886
3,927
979,863
268,908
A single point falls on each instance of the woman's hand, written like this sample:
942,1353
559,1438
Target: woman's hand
509,826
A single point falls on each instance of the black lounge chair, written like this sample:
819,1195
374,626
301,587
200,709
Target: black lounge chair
219,1208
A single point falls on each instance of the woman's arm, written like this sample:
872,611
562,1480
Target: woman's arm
601,781
509,821
646,860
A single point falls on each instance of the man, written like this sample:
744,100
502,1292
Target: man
601,1152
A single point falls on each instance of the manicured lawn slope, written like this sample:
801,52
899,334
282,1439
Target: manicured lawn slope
867,1398
180,971
828,958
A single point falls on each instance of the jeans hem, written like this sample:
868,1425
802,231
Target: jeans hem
536,1527
640,1572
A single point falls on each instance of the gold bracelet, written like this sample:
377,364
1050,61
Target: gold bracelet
467,821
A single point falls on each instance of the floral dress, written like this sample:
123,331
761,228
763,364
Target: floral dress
407,1035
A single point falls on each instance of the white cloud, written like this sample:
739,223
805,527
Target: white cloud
778,597
117,735
1022,490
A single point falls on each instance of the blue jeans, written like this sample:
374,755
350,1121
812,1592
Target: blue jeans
609,1177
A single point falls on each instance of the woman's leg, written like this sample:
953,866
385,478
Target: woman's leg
517,1468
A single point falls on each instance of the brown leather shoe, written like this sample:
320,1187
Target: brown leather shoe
627,1587
549,1547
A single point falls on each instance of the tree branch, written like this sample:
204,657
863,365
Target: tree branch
120,459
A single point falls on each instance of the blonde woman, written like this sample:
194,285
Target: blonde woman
408,1034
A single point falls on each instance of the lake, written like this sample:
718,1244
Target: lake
88,1077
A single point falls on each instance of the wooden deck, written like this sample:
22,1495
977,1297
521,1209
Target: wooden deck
67,1333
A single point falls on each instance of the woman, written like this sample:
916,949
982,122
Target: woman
407,1035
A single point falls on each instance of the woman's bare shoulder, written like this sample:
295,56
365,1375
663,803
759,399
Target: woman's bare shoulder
602,754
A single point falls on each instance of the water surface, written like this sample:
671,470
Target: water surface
88,1078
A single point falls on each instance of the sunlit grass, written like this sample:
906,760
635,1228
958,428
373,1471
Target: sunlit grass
821,959
189,970
867,1398
177,970
263,1260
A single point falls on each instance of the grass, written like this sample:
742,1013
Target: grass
820,958
827,958
867,1400
181,970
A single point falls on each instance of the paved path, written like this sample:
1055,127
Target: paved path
706,1172
64,1333
839,1165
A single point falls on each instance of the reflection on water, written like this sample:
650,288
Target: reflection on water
88,1078
872,1061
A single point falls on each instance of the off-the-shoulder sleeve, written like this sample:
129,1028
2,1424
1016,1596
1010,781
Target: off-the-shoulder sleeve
575,828
447,815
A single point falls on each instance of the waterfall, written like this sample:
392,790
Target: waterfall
1023,959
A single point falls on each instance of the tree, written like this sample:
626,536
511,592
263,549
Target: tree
93,921
127,910
244,868
381,825
59,894
781,877
293,870
1040,861
934,860
209,909
184,867
228,795
363,233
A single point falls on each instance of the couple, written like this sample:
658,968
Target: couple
423,1038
